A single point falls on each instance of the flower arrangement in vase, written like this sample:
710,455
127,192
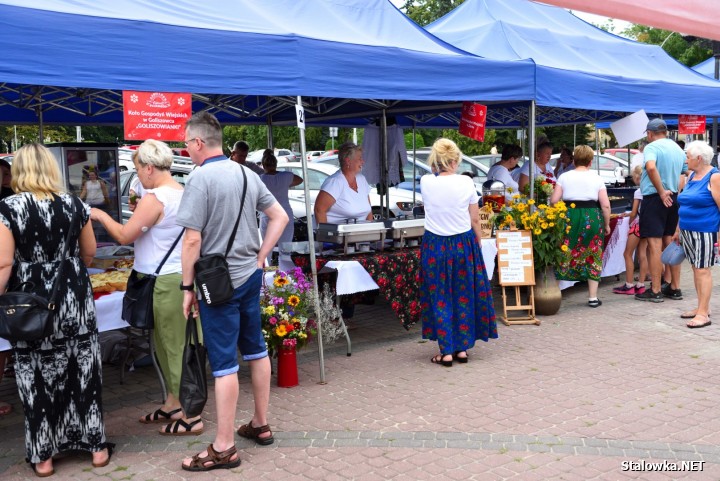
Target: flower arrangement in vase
287,312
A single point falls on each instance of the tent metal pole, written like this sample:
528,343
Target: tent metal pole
531,148
413,165
311,241
384,209
41,133
715,119
270,134
597,147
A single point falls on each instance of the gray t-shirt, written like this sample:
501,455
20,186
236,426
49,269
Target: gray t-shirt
210,205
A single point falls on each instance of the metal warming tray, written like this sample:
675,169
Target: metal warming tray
350,233
408,228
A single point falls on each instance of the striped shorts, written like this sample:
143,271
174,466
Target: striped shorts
698,247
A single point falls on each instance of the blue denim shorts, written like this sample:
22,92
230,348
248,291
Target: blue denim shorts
235,324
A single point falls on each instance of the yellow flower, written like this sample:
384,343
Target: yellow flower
542,207
550,216
531,201
564,248
567,230
552,224
280,331
280,281
537,232
516,196
572,204
293,300
269,310
562,216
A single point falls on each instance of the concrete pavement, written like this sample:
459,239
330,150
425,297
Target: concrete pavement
572,399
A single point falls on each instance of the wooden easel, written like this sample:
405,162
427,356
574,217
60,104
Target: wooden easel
516,269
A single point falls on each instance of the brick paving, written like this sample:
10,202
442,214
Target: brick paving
571,399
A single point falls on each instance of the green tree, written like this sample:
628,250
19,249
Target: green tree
424,12
567,135
690,51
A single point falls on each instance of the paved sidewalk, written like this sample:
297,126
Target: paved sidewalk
571,399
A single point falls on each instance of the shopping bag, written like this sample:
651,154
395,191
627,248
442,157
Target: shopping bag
193,380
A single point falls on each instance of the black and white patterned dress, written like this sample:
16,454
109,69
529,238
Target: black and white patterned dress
59,378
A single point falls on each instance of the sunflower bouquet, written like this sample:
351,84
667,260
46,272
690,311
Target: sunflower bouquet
548,224
286,311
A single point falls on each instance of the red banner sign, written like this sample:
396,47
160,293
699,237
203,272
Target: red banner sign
156,115
691,124
472,122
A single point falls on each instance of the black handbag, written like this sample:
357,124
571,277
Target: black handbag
25,316
193,380
137,309
212,273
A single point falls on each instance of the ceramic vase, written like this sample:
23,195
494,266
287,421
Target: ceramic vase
547,292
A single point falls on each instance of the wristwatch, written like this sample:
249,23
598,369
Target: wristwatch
183,287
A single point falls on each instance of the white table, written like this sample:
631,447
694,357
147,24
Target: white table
108,310
613,260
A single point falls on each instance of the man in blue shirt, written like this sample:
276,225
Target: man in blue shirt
662,167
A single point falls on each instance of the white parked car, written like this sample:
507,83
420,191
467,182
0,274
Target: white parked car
613,170
282,155
401,201
313,154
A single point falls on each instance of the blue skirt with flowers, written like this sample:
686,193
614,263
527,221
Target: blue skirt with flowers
455,294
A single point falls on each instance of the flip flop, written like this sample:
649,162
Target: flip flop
159,416
697,326
5,408
689,314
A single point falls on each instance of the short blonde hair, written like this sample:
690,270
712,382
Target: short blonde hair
155,153
35,170
637,173
583,155
444,153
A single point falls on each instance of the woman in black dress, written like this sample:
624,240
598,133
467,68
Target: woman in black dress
59,378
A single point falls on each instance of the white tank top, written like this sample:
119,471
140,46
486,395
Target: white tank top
94,194
151,246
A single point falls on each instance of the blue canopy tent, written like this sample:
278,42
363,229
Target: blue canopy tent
577,64
706,68
244,60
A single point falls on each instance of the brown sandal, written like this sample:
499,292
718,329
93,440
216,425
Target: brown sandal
219,460
251,432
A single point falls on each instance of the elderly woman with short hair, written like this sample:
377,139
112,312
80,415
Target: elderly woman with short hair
154,231
345,195
699,222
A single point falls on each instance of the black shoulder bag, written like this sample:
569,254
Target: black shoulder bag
212,273
25,316
137,307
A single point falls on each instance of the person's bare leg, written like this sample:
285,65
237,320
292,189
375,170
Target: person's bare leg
260,377
642,260
703,285
592,289
630,247
654,262
226,396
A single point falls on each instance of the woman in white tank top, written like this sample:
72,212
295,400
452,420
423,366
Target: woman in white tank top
153,229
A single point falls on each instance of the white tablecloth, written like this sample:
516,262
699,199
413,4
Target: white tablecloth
489,251
109,315
352,277
613,260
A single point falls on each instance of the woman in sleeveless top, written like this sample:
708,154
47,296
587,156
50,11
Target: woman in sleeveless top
94,191
59,378
153,229
699,222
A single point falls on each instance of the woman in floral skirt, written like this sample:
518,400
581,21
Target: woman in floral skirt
455,294
585,195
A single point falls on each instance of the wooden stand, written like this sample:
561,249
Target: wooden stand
529,317
515,270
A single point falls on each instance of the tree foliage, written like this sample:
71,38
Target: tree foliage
690,51
424,12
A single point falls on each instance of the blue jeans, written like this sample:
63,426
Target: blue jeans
235,324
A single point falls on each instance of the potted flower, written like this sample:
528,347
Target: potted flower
549,227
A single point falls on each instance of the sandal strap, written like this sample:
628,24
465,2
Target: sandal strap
212,456
158,413
175,425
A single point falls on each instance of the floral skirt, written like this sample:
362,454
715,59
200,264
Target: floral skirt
455,294
583,257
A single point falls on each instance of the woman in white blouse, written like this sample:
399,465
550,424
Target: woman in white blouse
345,195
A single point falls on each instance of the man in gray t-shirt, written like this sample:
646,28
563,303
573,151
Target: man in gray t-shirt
209,209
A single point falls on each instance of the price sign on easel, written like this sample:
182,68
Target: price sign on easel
516,269
515,258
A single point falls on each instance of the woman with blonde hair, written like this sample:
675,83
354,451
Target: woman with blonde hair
585,195
153,229
455,294
59,378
